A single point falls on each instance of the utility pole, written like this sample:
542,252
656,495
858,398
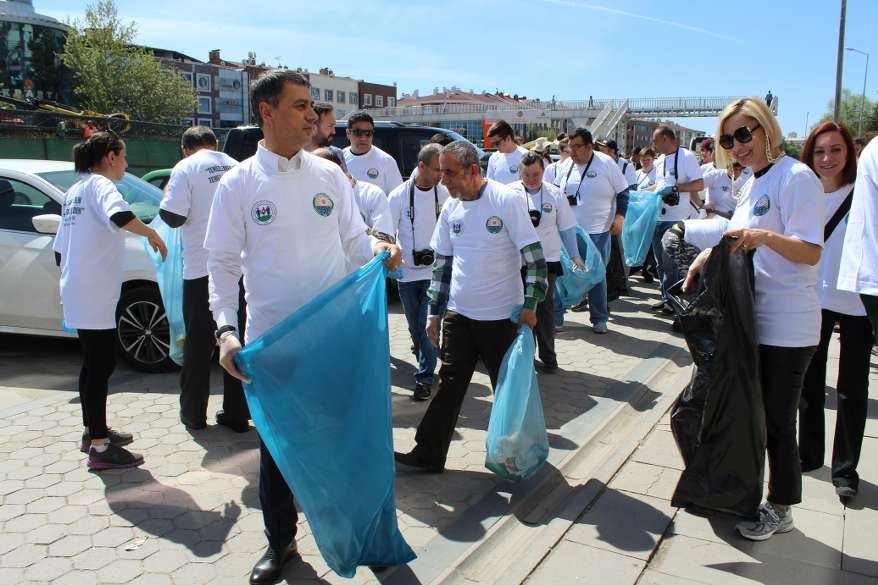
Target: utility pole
840,63
863,100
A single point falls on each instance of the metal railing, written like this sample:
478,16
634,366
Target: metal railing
36,123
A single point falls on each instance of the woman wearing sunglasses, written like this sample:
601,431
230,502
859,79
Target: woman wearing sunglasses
779,218
829,151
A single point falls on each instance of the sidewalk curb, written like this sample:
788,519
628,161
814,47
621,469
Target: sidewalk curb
518,534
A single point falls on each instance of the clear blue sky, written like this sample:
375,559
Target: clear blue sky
567,48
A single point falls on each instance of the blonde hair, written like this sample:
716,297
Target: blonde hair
755,108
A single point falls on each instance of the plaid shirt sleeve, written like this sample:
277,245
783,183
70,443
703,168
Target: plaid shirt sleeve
535,285
440,285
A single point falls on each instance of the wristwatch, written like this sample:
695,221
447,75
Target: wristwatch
224,332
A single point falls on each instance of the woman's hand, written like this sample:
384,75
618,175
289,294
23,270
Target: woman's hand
696,268
748,238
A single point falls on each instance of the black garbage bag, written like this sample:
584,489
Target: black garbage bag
617,273
718,421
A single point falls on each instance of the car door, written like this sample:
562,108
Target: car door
29,291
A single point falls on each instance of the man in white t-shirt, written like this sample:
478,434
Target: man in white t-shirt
678,178
324,130
414,211
482,235
629,170
503,164
365,161
564,155
597,191
186,205
288,221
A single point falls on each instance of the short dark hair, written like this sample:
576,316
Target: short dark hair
321,108
582,132
430,151
197,137
360,116
270,87
849,172
441,139
665,130
531,158
328,154
561,136
501,129
87,155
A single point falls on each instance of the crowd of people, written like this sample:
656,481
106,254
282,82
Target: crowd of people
480,257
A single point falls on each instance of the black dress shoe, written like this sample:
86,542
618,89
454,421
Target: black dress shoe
422,392
548,368
269,568
657,306
410,459
648,278
192,425
239,426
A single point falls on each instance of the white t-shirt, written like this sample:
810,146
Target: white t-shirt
551,171
92,248
485,238
557,216
415,235
681,166
787,200
291,225
504,167
374,210
859,263
190,193
596,197
375,166
645,179
840,301
705,233
628,170
718,185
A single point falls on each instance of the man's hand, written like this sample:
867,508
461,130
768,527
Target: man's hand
696,268
395,258
578,264
229,346
433,325
616,227
748,238
157,244
528,317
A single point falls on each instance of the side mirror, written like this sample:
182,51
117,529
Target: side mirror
47,223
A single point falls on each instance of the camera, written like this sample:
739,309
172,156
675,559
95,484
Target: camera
535,216
423,257
670,196
572,200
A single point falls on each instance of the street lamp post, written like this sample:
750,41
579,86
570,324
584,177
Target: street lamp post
865,76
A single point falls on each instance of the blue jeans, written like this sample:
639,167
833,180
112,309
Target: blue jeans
413,296
597,296
668,272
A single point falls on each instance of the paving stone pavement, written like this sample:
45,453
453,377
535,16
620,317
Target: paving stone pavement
190,514
631,534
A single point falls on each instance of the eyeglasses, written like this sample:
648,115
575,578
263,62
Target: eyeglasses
495,140
743,135
361,132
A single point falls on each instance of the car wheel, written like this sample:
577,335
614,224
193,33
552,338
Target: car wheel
142,330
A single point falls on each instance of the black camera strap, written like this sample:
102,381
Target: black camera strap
842,211
665,164
412,208
581,178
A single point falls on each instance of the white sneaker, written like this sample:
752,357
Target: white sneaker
770,520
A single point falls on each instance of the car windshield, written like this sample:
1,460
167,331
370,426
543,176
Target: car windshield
142,197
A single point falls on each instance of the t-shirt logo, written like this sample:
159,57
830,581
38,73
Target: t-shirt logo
263,212
591,174
763,204
513,170
372,173
725,187
547,207
456,228
323,204
494,225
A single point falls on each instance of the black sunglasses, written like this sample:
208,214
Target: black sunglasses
361,132
743,135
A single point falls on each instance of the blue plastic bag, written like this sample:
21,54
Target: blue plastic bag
320,398
575,283
644,208
169,275
517,441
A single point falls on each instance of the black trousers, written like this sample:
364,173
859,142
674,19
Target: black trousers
277,502
853,398
545,330
871,304
783,372
98,362
464,341
198,352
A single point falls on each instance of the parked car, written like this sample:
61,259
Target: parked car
158,178
31,196
401,141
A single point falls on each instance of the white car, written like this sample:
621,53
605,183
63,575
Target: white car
31,195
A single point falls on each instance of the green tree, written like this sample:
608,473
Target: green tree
113,75
849,112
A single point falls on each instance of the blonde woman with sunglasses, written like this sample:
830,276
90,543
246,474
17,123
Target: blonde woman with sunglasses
779,219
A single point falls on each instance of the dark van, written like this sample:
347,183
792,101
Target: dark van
401,141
